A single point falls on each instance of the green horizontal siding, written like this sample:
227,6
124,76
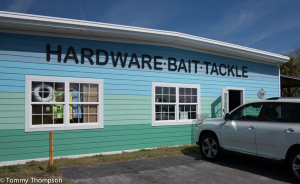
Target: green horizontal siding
21,145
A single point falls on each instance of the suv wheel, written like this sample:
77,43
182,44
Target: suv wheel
294,164
209,147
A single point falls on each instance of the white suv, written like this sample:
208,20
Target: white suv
267,128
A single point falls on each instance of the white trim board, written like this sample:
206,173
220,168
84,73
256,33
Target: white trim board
39,23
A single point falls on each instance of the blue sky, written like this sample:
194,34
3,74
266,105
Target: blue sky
269,25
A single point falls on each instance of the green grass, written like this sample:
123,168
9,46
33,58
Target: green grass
42,170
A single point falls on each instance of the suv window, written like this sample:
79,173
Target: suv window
249,112
282,112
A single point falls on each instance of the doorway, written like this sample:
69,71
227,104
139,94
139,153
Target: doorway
232,98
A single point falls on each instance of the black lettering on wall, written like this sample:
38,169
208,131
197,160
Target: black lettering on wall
206,63
220,69
136,62
98,57
196,62
189,66
170,64
157,63
230,70
236,71
244,71
74,56
88,56
119,56
58,53
214,69
182,66
146,61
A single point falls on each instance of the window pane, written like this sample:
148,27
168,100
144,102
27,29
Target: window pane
171,116
165,116
92,118
171,108
36,109
93,88
59,86
279,112
173,91
194,99
248,112
158,90
84,88
74,87
48,119
158,108
295,114
42,91
181,95
158,116
166,90
36,119
193,115
166,98
158,98
165,108
47,109
93,97
187,91
59,96
194,91
173,98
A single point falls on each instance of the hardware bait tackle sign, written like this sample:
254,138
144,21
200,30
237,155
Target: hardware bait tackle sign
147,61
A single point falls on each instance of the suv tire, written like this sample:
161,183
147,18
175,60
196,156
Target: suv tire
209,147
294,164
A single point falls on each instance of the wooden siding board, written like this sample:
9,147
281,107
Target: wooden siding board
39,41
94,70
111,140
112,75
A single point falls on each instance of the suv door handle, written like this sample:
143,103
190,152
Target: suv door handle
289,130
251,127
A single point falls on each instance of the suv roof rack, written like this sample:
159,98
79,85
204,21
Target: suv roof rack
283,98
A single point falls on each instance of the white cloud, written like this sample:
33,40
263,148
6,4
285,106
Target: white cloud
20,6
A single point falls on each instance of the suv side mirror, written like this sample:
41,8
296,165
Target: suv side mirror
226,117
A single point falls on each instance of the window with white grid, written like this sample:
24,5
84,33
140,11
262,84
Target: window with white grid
174,104
58,103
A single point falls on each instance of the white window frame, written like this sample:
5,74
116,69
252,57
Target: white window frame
177,86
66,125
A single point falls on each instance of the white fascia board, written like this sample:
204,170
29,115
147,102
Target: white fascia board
79,27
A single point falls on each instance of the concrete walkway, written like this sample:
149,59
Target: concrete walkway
181,169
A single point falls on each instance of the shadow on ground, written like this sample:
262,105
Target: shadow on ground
252,165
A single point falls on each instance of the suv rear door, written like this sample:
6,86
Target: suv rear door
277,130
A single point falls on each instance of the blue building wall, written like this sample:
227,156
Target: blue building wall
127,94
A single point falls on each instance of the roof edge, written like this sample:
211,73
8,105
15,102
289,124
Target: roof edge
80,27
